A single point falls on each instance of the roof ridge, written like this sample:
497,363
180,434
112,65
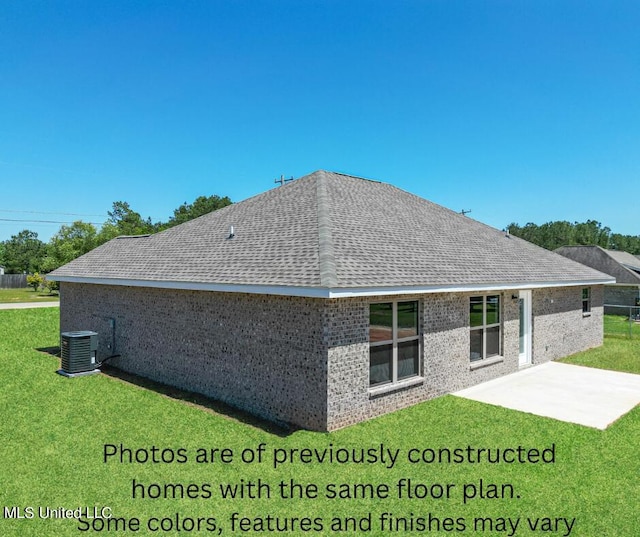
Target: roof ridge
351,176
326,254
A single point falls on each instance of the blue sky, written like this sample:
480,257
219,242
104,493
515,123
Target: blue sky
521,111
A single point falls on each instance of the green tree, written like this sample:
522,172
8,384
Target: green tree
201,206
530,232
552,235
627,243
35,280
592,233
69,243
51,286
123,220
23,252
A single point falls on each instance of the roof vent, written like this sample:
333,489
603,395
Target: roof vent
283,181
78,353
232,232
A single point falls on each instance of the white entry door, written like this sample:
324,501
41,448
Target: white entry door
525,328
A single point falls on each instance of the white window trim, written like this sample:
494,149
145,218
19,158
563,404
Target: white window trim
396,383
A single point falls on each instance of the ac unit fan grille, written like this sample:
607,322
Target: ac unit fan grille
78,351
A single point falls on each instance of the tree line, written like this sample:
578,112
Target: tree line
552,235
25,253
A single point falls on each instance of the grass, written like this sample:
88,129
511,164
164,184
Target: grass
619,325
620,351
26,294
54,431
617,353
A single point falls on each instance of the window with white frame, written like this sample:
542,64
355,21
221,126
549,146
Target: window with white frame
586,300
485,323
394,342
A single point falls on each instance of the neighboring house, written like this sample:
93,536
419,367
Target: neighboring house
622,266
1,270
330,300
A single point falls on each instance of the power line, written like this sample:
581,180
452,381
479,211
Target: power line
45,221
48,212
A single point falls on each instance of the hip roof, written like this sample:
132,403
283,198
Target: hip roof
329,234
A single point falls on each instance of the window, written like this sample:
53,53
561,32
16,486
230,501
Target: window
484,320
586,300
394,343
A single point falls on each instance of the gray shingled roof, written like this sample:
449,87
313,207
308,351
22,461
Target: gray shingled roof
626,259
328,231
622,266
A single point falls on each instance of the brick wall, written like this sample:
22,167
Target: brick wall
261,353
306,361
444,323
559,326
559,329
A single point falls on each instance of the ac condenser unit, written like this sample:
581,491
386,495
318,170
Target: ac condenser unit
78,353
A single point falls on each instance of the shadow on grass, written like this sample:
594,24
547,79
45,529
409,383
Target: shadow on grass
191,398
619,335
53,351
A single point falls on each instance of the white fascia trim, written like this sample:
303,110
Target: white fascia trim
285,290
469,288
315,292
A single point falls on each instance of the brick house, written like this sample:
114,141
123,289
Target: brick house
622,266
330,300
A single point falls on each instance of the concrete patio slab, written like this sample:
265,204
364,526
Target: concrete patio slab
576,394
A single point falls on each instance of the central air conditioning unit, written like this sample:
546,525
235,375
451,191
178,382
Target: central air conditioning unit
78,353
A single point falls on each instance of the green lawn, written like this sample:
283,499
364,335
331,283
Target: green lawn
621,351
618,353
619,325
26,295
54,430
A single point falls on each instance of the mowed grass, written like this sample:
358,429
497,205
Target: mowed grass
620,352
54,429
619,325
26,295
